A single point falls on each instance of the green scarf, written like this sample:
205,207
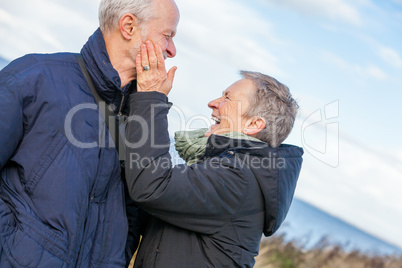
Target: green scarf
191,145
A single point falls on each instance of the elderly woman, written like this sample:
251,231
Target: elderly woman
213,212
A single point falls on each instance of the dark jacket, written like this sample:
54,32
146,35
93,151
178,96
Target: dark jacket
61,194
212,213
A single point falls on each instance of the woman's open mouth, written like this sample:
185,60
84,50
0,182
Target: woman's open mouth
216,119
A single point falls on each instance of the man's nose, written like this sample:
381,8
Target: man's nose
171,49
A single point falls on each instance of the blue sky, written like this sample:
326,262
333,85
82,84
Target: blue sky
341,59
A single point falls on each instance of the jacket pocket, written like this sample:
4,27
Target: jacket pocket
44,162
33,244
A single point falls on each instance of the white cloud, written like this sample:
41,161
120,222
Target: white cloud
223,33
45,26
391,57
5,17
335,10
361,189
375,72
369,70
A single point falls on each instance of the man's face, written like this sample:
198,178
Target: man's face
162,28
228,111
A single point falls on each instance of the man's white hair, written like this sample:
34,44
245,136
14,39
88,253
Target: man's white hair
110,12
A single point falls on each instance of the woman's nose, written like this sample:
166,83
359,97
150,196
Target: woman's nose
213,104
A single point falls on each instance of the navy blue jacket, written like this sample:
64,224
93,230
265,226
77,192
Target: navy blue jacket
212,213
61,193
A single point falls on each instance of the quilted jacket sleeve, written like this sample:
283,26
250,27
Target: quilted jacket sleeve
11,131
10,117
200,198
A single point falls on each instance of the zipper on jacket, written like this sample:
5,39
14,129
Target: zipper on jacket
121,106
157,248
88,212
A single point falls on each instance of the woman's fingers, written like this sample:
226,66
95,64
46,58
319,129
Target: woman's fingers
144,57
171,74
161,65
170,77
138,65
161,59
153,62
151,70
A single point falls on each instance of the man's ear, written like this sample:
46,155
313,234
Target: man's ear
128,26
254,125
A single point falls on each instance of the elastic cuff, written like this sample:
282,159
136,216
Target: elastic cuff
151,95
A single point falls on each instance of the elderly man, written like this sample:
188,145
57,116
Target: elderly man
62,201
239,179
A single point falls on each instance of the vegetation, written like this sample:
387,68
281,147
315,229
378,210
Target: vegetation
276,253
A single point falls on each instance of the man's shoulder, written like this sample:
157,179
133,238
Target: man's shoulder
30,62
35,74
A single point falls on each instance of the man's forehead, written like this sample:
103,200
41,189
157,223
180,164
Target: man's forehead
166,15
167,7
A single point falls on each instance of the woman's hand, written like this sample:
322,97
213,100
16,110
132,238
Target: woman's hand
155,78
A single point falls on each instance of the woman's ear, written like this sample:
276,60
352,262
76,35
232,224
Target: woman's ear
128,26
254,125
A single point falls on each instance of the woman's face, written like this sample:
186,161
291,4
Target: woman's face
228,110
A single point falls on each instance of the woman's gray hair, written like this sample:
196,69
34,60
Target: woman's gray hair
110,12
274,103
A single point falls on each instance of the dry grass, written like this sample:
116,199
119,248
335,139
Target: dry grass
276,253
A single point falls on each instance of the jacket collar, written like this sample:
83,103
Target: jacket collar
105,78
218,144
